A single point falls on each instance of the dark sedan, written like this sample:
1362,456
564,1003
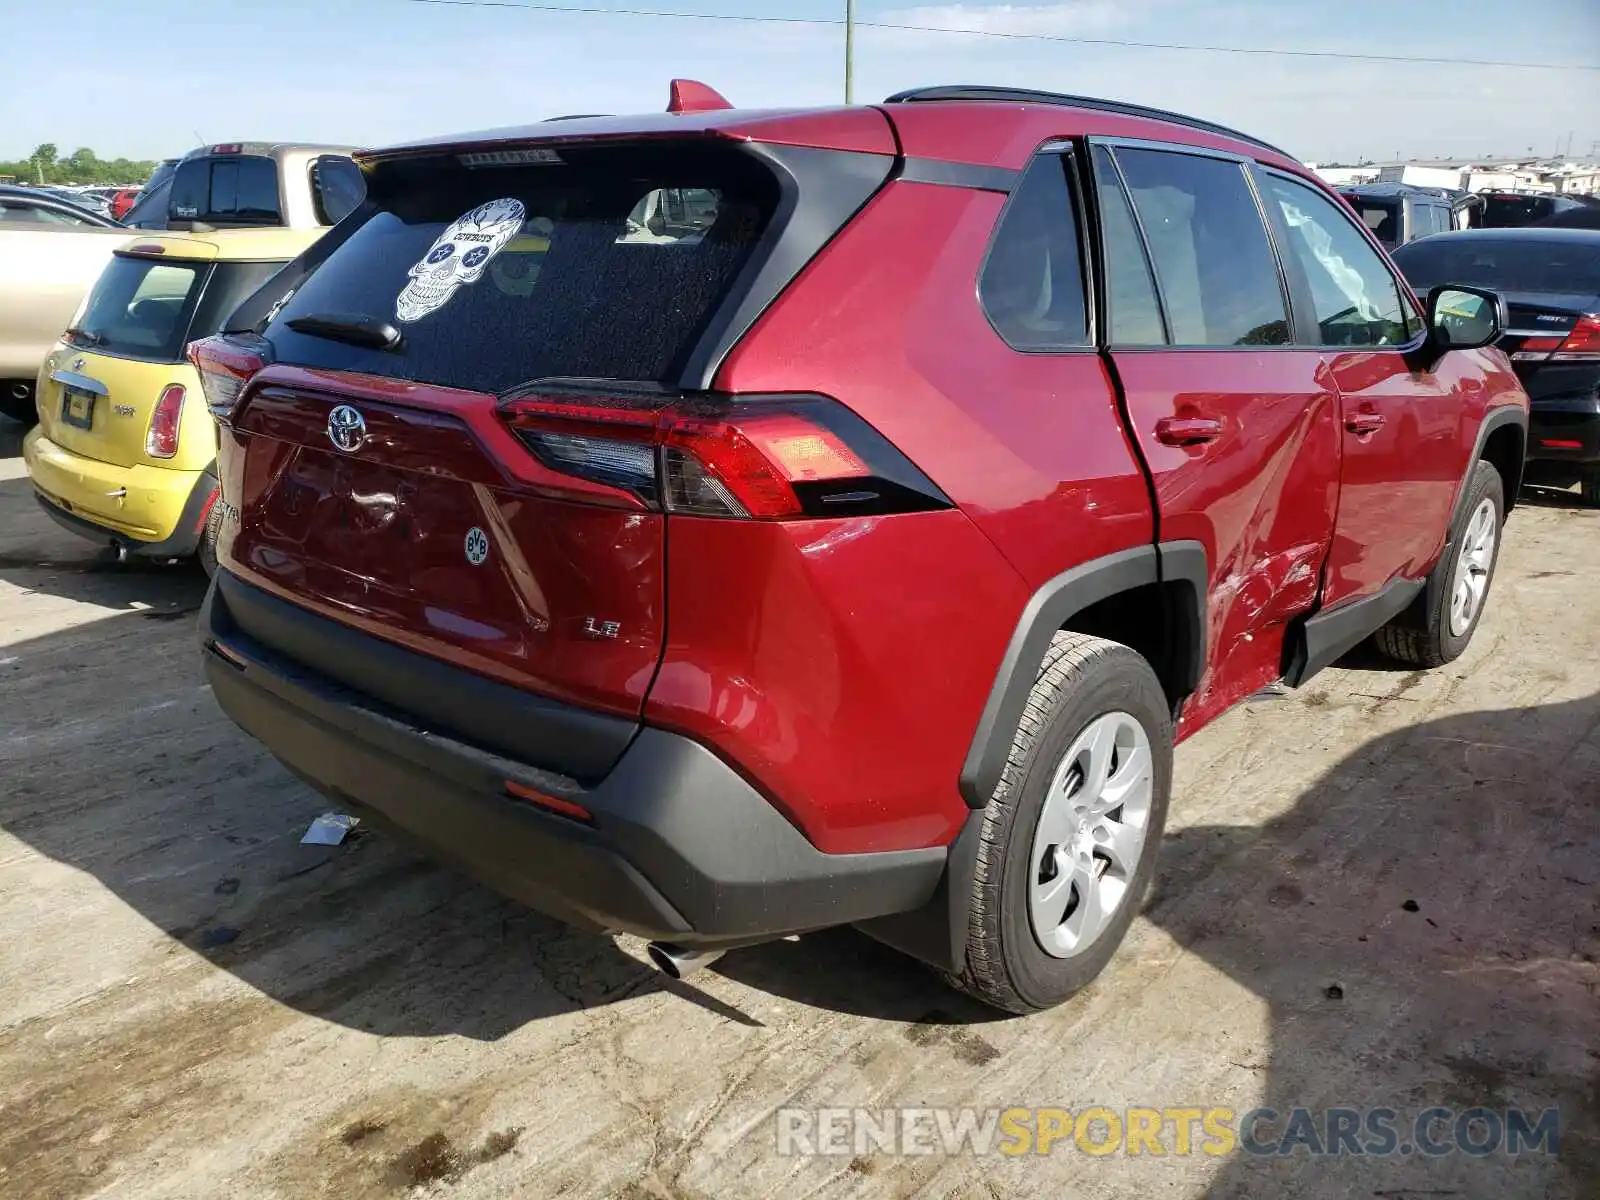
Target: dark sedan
1550,280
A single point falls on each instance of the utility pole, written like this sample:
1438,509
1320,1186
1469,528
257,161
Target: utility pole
849,51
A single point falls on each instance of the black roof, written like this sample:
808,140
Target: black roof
1525,233
1029,96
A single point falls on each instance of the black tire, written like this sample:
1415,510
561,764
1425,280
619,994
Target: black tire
1421,636
1590,489
207,550
18,408
1081,679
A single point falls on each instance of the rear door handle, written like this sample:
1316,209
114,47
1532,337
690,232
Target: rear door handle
1187,431
1364,421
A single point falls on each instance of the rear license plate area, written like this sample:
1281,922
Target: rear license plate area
77,407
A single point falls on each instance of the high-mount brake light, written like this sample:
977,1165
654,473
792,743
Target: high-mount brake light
226,362
746,457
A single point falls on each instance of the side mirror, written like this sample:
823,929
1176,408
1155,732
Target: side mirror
1464,318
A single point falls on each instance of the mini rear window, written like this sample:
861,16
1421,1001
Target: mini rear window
605,264
140,307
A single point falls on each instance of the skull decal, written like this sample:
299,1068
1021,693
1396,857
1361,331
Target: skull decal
459,255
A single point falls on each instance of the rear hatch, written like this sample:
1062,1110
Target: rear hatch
373,470
127,347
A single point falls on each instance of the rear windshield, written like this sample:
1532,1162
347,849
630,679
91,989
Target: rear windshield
1523,265
603,264
151,309
1503,211
140,307
230,189
1380,216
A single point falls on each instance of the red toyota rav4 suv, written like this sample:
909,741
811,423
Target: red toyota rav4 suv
722,524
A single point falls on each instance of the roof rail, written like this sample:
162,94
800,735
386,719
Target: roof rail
1030,96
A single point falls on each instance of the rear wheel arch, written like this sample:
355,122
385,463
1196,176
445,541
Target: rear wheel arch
1150,598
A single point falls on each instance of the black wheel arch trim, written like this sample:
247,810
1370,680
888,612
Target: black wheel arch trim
1495,418
1050,609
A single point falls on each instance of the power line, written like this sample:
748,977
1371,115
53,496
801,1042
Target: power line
595,10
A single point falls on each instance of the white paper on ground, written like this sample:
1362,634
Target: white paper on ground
329,829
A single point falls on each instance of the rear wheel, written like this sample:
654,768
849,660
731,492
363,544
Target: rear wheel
1070,837
1591,489
1439,626
16,402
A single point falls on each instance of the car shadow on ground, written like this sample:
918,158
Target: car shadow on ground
1424,926
11,435
1552,497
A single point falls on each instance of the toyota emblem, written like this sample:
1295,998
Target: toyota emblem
347,429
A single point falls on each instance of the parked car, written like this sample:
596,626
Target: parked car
1509,210
249,184
1398,213
798,568
51,251
1550,279
125,451
122,200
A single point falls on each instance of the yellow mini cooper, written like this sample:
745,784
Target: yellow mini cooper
125,449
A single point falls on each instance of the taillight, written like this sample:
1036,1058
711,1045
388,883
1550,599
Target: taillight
1583,342
226,363
162,439
745,457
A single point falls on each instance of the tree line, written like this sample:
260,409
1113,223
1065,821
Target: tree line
83,165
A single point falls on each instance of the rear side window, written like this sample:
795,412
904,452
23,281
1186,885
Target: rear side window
1380,216
233,189
336,187
230,284
140,307
1135,317
606,264
1356,300
1031,287
151,209
1219,279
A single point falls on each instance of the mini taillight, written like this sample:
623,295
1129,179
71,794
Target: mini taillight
746,457
226,363
1583,342
162,439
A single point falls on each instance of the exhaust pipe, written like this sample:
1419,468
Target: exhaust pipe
679,961
21,391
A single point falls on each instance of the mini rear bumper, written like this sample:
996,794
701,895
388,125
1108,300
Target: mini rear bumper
678,847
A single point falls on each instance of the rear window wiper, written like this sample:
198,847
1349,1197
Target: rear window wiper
85,336
354,328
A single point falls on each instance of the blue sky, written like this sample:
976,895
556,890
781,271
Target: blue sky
150,78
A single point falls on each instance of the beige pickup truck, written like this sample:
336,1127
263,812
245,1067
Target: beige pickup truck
51,252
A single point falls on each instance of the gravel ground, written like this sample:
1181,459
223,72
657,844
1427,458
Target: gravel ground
1383,890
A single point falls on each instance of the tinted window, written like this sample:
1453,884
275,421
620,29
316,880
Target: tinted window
336,187
1505,211
17,212
1032,282
140,307
1219,280
1523,264
1380,216
501,275
1356,300
1135,316
150,210
236,189
230,284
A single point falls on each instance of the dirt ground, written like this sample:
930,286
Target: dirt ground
1382,890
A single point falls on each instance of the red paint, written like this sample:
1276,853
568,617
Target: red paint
840,665
690,95
376,540
1260,497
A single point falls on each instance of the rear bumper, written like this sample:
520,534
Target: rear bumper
679,846
159,513
1563,432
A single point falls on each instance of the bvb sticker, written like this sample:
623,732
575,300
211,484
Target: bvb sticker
459,256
